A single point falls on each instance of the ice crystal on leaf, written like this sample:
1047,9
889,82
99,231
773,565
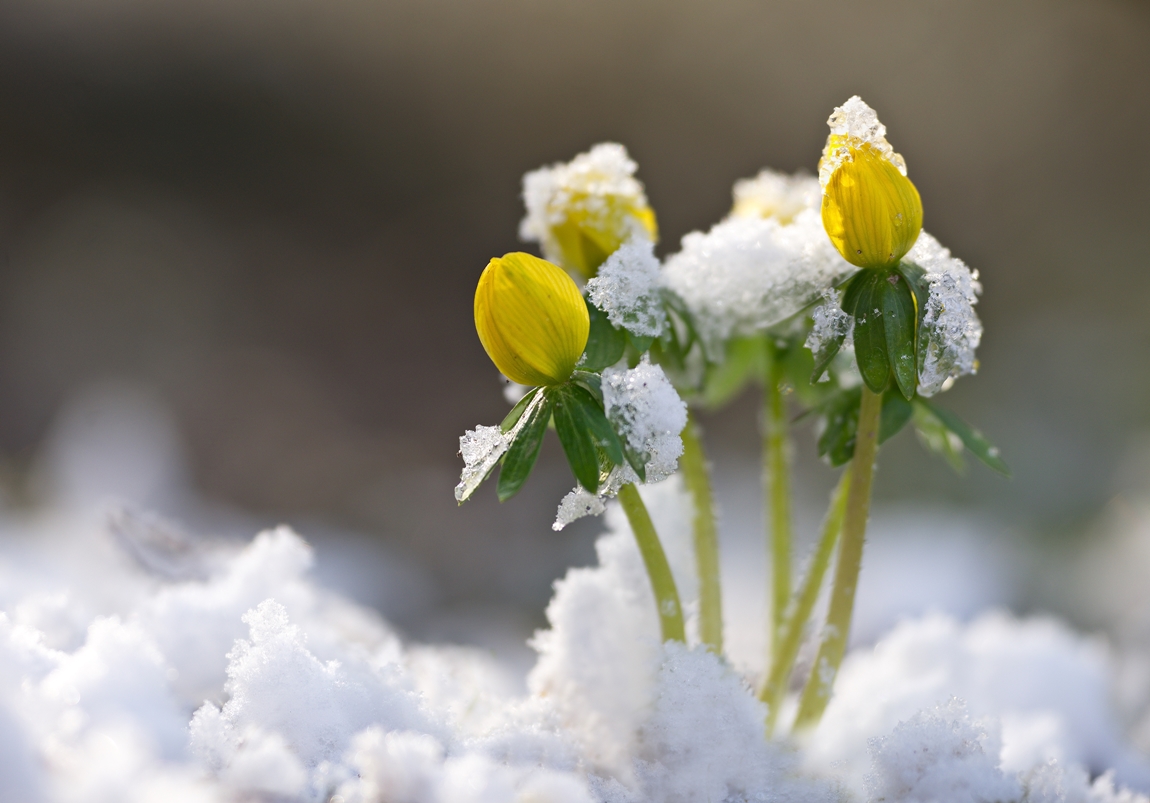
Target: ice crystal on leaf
649,415
748,273
951,330
829,323
647,411
627,289
481,449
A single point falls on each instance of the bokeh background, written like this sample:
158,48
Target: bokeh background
252,229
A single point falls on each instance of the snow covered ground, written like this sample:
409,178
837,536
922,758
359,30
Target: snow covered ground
140,662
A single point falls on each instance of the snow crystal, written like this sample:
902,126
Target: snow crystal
830,324
951,329
938,755
579,502
647,411
776,195
480,449
747,274
856,123
627,289
592,183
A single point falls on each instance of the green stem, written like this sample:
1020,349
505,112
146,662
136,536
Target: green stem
817,692
776,491
775,684
655,559
698,479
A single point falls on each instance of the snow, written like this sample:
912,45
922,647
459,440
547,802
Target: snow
748,274
853,125
648,413
951,328
627,289
772,194
140,661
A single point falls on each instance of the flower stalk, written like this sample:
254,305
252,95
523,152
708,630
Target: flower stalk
776,490
783,660
817,691
697,477
658,569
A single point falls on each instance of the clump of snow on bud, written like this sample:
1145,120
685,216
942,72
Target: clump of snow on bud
829,324
772,194
747,274
951,329
627,289
647,411
852,125
584,184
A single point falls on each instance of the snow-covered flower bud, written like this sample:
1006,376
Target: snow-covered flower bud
583,210
531,319
871,210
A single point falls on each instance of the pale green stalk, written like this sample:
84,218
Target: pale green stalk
655,559
776,491
782,662
697,476
817,692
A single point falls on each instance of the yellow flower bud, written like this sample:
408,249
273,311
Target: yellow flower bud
583,210
531,319
871,210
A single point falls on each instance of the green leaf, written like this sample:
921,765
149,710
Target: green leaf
524,449
605,343
851,289
900,325
576,439
869,336
602,434
971,438
938,439
840,423
723,380
513,417
896,411
640,343
637,460
592,383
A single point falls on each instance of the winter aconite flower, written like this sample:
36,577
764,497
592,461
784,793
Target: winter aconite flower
871,210
531,319
583,210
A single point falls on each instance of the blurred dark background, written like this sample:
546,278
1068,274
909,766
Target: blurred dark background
274,213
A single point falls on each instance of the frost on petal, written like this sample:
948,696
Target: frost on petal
747,274
771,194
627,289
951,329
854,124
645,409
829,324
